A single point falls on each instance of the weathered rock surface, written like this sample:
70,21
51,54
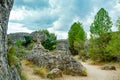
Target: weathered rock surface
60,59
6,72
14,37
108,67
54,73
38,35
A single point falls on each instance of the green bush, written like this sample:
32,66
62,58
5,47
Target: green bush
19,43
50,42
12,59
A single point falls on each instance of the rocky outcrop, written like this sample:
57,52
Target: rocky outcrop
38,35
14,37
60,59
55,73
6,72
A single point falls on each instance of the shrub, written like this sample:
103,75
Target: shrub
30,46
28,40
50,42
41,71
23,76
19,43
84,72
12,59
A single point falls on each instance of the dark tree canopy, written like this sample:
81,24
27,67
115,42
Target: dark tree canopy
50,42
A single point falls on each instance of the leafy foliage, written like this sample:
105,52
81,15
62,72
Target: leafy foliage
19,43
102,23
100,29
76,37
12,59
50,42
113,48
28,40
118,23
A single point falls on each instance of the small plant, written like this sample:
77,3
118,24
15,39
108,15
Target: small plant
30,46
40,71
12,59
23,76
84,72
27,63
19,43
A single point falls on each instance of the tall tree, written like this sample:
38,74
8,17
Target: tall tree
118,23
99,35
102,23
76,36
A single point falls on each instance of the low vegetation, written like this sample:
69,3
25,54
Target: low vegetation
42,71
50,42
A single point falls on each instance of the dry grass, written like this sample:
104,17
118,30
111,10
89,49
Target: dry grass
40,71
23,76
28,63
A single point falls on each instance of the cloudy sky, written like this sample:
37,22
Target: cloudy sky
58,15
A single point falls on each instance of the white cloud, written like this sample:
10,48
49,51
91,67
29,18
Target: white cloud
22,13
60,34
17,14
16,27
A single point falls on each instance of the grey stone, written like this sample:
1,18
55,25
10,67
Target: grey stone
57,59
38,35
6,72
108,67
14,37
54,73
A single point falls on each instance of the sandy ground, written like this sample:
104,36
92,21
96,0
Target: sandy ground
94,73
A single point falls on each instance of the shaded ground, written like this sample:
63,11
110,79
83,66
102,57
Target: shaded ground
94,73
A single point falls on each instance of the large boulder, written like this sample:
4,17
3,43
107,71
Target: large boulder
6,72
58,59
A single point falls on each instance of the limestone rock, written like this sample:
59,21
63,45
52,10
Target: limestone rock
14,37
54,73
38,35
57,59
108,67
6,72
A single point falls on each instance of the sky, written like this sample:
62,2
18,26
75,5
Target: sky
57,16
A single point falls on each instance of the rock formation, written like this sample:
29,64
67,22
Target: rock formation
6,72
60,59
38,35
14,37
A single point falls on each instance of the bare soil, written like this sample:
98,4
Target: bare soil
94,73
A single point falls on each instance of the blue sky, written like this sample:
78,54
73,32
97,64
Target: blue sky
58,15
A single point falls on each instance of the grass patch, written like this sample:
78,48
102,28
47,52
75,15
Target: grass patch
40,71
28,63
23,76
84,72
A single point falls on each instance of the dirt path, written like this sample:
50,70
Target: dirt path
94,73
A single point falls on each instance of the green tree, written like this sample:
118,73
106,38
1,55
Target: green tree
102,23
50,42
118,23
27,39
100,29
76,37
113,48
